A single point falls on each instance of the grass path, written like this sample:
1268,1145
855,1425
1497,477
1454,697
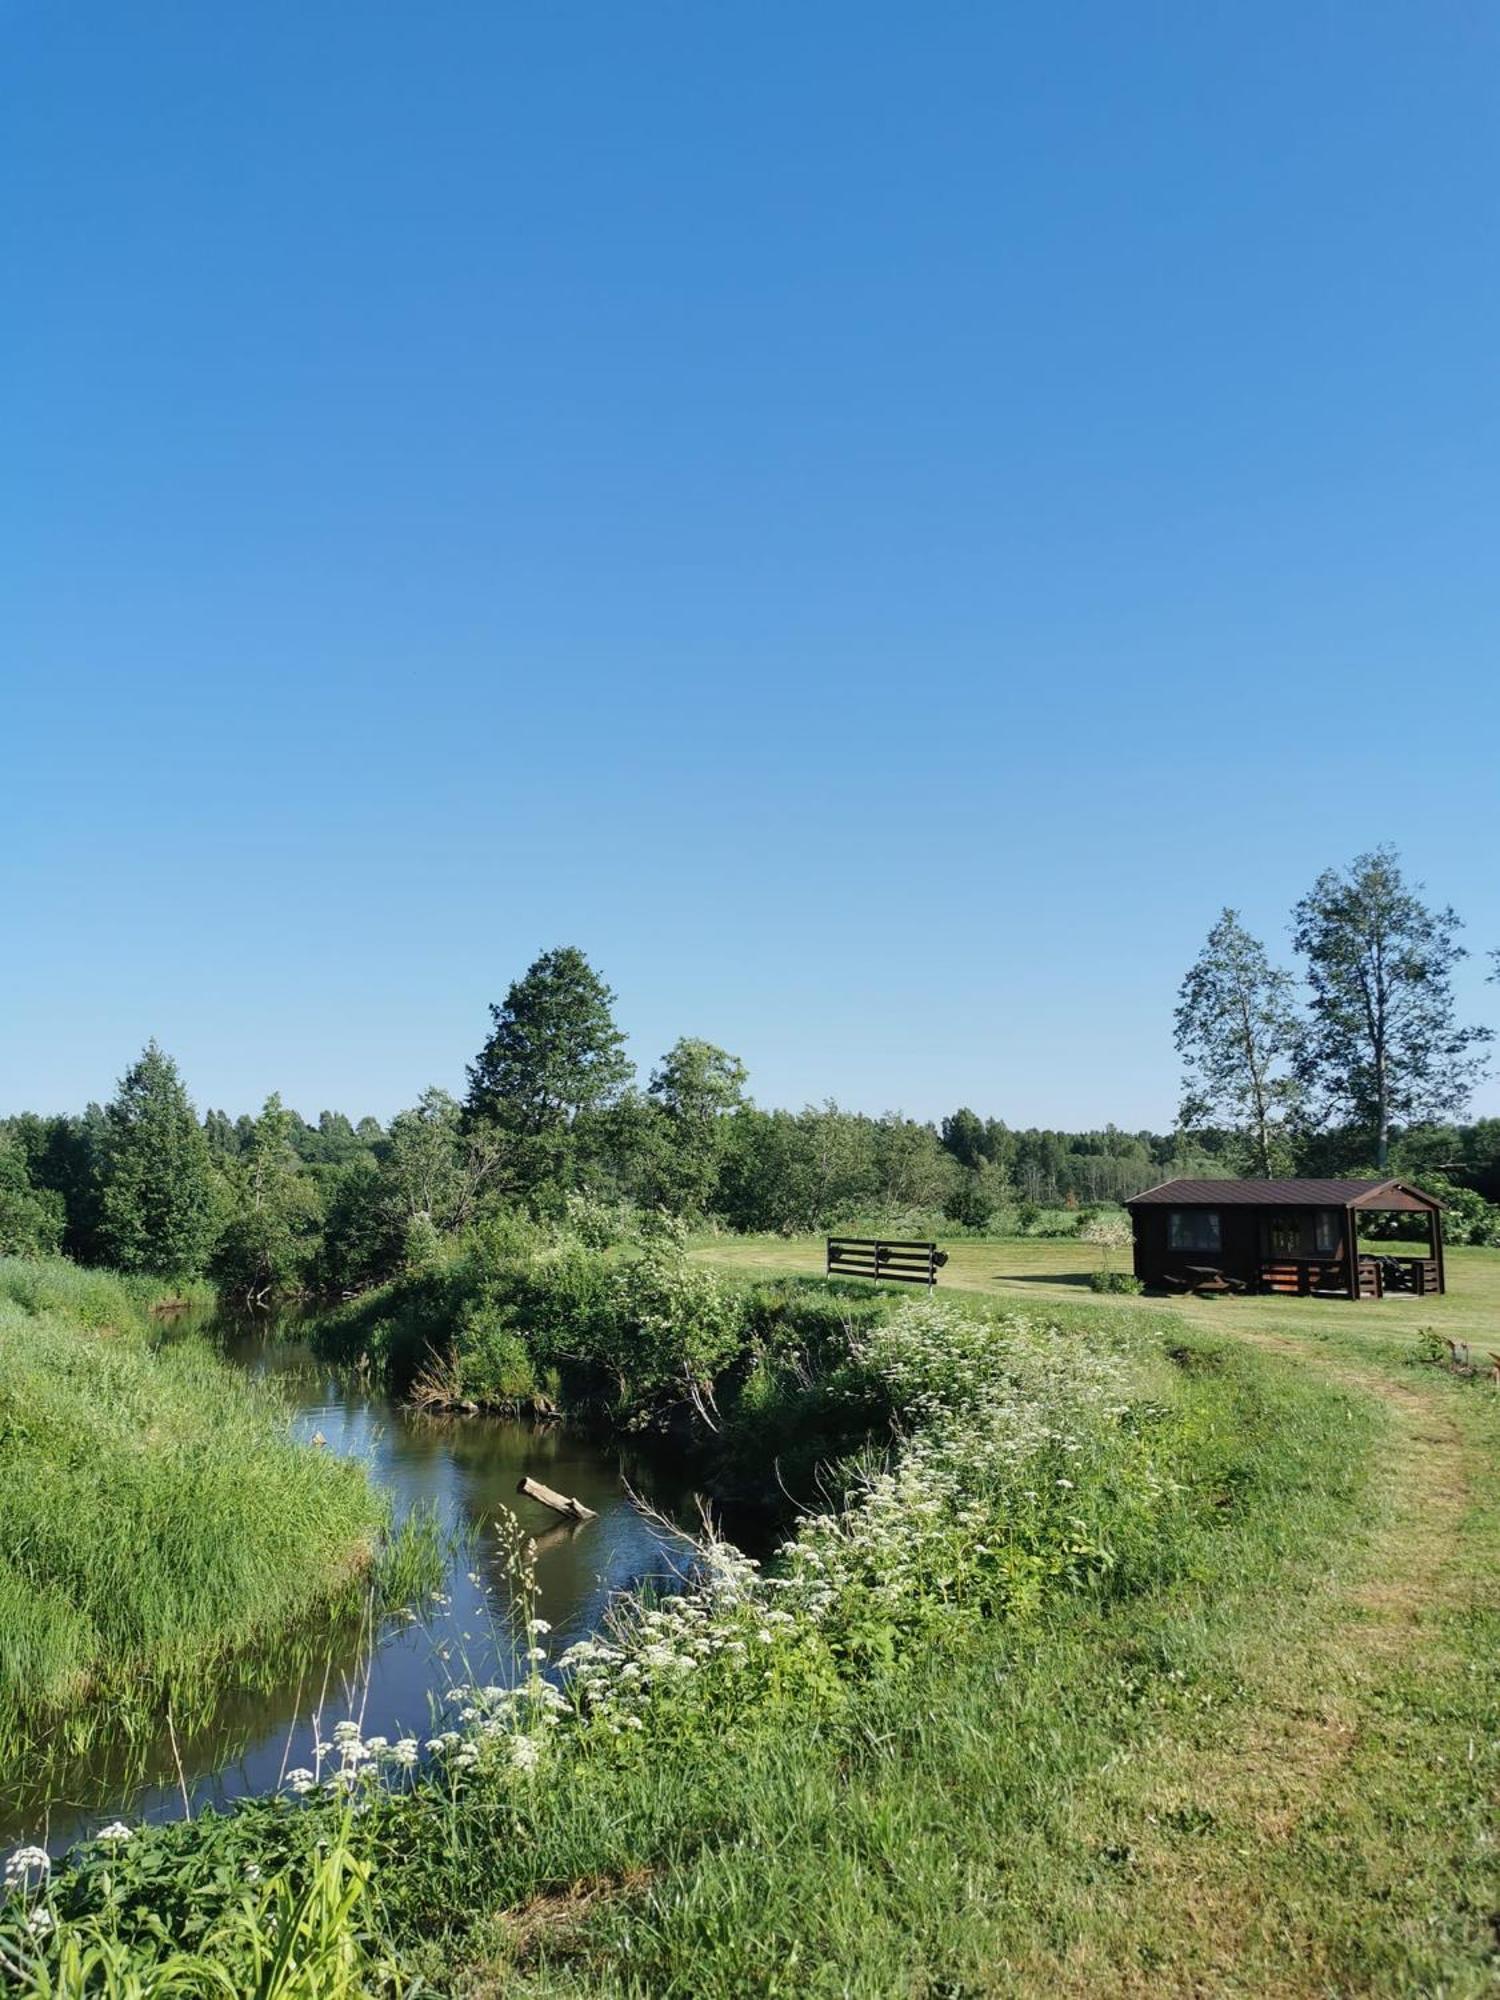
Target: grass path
1328,1819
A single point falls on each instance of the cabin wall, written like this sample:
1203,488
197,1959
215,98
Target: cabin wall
1239,1254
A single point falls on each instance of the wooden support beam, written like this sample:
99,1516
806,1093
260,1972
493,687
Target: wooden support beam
558,1502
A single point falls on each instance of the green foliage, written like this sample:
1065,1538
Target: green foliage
298,1929
692,1091
436,1170
1384,1046
157,1209
553,1058
270,1238
155,1514
361,1242
32,1219
1237,1032
1467,1216
978,1195
1115,1281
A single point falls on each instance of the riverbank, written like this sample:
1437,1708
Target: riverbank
157,1520
1132,1604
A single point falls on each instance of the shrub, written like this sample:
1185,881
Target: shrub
1115,1281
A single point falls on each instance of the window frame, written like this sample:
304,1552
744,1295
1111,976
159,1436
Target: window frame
1288,1224
1334,1218
1212,1222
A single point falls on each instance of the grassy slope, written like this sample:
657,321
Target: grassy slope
154,1512
1277,1777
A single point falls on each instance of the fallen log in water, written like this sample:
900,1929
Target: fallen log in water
558,1502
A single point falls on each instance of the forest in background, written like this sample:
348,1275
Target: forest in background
1363,1068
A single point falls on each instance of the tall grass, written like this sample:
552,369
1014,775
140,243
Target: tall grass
155,1514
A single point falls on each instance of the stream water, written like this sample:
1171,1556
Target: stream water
395,1677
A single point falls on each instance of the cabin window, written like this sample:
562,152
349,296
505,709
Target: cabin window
1193,1229
1327,1233
1286,1235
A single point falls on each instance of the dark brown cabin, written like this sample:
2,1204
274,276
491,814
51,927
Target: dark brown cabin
1299,1237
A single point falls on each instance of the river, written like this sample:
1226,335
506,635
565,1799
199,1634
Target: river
395,1678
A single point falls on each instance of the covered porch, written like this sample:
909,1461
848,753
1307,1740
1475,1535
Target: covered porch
1386,1242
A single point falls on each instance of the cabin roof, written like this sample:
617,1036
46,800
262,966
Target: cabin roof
1281,1194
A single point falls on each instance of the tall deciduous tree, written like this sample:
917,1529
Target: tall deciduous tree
275,1212
554,1051
434,1170
693,1089
1237,1035
31,1217
1384,1046
156,1183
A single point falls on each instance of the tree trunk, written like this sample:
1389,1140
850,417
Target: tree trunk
558,1502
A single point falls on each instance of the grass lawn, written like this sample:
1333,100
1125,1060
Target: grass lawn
1051,1271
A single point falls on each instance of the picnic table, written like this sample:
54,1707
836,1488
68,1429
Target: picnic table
1208,1281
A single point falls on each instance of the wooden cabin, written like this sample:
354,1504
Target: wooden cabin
1299,1237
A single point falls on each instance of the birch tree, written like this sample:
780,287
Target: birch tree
1237,1034
1384,1045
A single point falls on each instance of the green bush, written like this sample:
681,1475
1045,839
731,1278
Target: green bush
1115,1281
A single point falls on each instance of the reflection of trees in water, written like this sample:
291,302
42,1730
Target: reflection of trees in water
260,1695
469,1469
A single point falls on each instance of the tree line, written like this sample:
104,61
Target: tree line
1360,1067
553,1121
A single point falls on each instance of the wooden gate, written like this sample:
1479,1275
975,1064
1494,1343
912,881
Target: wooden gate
875,1257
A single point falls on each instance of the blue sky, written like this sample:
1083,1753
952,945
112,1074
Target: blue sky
874,521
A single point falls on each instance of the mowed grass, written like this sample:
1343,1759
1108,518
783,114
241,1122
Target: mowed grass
1277,1774
155,1514
1054,1271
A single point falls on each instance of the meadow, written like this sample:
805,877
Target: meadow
1148,1649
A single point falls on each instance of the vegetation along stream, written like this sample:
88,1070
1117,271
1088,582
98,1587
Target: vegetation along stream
391,1669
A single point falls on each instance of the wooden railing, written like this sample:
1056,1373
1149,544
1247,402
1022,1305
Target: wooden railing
875,1257
1292,1276
1379,1277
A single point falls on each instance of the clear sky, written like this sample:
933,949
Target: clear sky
873,521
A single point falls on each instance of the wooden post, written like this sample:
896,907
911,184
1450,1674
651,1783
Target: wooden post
1435,1223
558,1502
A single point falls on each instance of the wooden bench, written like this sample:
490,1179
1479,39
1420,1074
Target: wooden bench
881,1257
